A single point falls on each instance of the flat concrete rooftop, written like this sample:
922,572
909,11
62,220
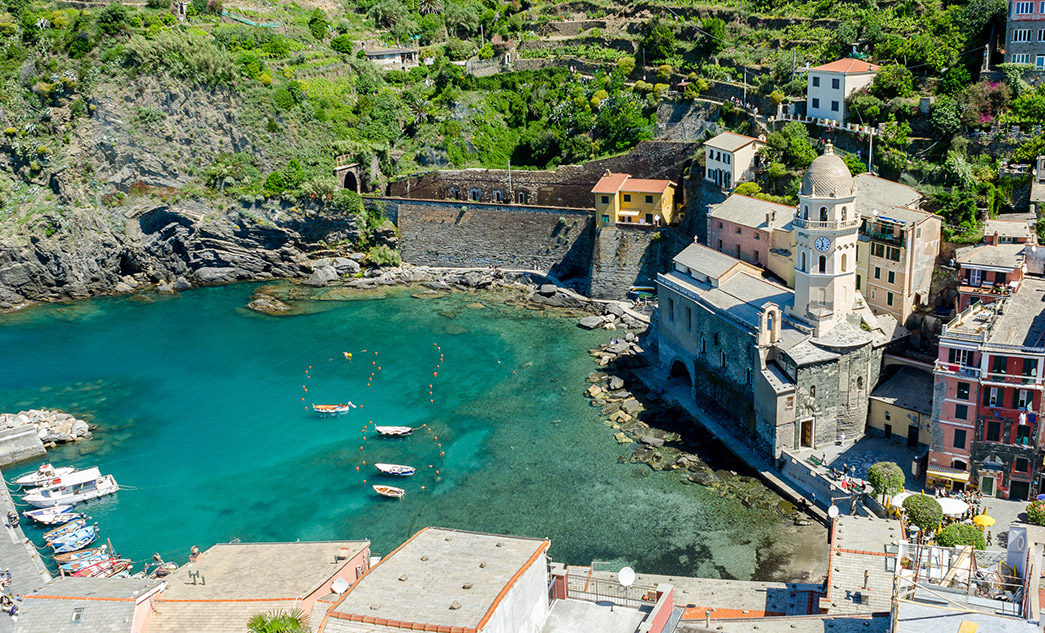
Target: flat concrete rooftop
578,616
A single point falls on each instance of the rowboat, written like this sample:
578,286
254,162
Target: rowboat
53,515
77,565
73,493
104,568
77,540
394,430
390,491
164,570
395,469
97,552
70,527
42,475
333,409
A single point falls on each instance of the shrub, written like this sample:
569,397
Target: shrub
658,40
157,4
664,72
957,534
385,256
923,511
112,19
283,98
893,80
626,65
886,478
347,202
189,56
748,189
342,44
317,24
1036,512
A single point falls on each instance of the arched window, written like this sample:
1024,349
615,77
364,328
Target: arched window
802,267
823,214
845,212
859,382
805,212
770,322
703,344
723,359
812,391
822,267
844,260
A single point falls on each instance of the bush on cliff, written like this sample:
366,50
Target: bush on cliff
186,55
382,255
955,535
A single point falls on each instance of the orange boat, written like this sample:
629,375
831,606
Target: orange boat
390,491
330,409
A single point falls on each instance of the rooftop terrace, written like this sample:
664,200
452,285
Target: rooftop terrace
1017,320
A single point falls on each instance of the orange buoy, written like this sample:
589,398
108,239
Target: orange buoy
378,368
432,401
357,467
435,373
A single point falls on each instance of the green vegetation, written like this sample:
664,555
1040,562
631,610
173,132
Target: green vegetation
958,534
923,511
294,621
1036,512
886,478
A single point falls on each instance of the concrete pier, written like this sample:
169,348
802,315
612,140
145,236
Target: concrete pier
28,571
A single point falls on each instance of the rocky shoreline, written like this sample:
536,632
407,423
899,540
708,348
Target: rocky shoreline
52,427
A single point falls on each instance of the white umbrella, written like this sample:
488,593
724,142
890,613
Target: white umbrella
953,507
897,500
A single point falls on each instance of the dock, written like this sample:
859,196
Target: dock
17,553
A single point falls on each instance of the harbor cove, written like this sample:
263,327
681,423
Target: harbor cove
202,414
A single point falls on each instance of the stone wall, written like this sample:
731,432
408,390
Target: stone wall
19,444
567,186
625,257
467,234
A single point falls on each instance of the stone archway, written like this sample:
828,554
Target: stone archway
351,182
679,372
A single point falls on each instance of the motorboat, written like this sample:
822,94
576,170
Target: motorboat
73,493
397,431
53,515
76,541
333,409
71,479
390,491
68,528
42,475
104,568
97,552
395,469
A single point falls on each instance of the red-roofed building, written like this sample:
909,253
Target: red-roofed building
621,199
829,85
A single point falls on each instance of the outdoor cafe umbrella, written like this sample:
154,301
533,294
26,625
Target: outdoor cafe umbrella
983,520
953,507
1041,497
898,498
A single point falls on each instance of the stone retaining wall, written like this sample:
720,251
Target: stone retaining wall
19,444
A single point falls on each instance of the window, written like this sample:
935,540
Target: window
627,197
835,83
475,195
888,298
877,272
738,230
822,265
1021,58
649,199
960,356
961,412
1030,367
720,225
834,106
892,277
671,309
790,402
605,199
803,266
720,246
1041,33
757,238
1022,435
963,391
714,338
1021,465
888,416
689,319
998,364
959,438
498,195
722,358
993,432
1022,398
605,219
1039,62
816,103
756,255
812,391
823,214
892,253
1022,8
858,282
77,615
522,197
816,83
992,396
844,262
1021,35
703,344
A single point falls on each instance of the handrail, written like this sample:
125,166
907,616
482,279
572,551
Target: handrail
803,223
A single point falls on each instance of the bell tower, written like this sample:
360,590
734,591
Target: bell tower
826,225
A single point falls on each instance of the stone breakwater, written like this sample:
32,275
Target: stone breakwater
52,427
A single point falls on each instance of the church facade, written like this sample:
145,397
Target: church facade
793,369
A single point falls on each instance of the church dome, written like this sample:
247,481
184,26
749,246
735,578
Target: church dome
827,177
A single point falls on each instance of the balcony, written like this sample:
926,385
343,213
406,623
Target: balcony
821,308
884,234
1012,379
989,289
801,223
954,369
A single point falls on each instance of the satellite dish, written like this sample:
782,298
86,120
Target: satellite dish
340,586
833,512
626,576
876,213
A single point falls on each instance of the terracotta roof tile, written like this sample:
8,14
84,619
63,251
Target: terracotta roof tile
848,65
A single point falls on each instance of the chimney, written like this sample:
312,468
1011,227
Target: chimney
992,239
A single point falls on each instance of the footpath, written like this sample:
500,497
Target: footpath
19,555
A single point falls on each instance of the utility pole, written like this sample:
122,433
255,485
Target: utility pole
870,152
511,196
745,85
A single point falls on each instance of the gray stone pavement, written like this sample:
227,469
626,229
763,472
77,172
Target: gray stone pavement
28,572
861,579
864,452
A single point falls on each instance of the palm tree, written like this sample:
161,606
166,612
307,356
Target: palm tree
293,621
430,6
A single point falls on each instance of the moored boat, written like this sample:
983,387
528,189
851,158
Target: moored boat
390,491
72,479
73,493
97,552
53,515
42,475
330,409
68,528
164,569
395,469
394,430
104,568
77,565
77,540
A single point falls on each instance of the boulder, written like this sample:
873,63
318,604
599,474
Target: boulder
165,288
614,309
618,348
182,283
321,276
218,275
122,288
651,441
590,322
345,266
548,289
616,382
594,390
630,406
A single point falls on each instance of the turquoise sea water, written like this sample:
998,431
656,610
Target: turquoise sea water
199,409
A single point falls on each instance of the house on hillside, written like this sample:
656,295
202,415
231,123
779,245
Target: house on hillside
1025,33
393,58
623,200
827,86
729,159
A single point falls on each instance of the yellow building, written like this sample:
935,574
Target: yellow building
901,408
621,199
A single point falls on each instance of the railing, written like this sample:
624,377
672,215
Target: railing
892,238
802,223
955,369
821,307
585,587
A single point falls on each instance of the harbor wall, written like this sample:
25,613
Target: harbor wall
20,444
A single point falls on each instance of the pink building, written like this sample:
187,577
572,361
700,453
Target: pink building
995,267
68,605
988,397
755,231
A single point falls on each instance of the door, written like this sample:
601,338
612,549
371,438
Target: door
649,218
912,436
807,433
974,277
888,431
987,486
1019,490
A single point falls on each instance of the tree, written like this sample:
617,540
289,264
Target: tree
747,189
957,534
342,44
317,24
924,511
946,116
714,34
886,478
1036,512
892,80
626,65
658,41
294,621
954,81
112,19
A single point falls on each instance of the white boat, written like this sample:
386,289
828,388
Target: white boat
333,409
52,515
42,475
73,493
394,430
390,491
395,469
77,540
59,533
72,479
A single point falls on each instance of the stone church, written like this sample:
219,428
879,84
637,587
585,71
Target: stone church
792,368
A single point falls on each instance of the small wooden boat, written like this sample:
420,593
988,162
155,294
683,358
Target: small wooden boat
97,552
390,491
164,569
104,568
77,565
395,469
53,515
396,431
77,540
68,528
43,475
333,409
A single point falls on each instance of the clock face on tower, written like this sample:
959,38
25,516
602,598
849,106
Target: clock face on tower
822,244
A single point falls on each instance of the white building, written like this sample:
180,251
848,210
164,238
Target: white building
830,84
729,158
